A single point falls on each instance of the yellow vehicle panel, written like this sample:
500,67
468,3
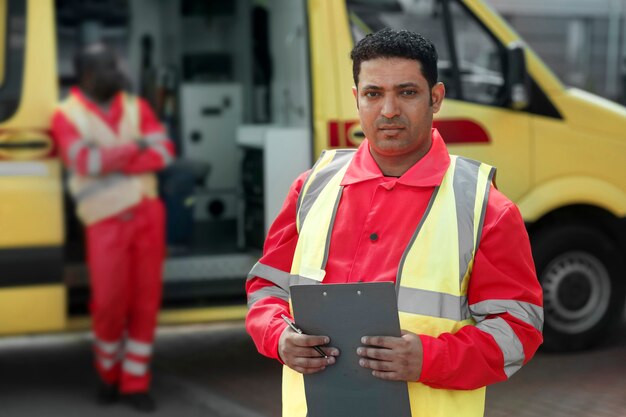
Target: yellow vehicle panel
31,206
32,309
32,295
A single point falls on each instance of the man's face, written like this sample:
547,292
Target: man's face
105,78
396,107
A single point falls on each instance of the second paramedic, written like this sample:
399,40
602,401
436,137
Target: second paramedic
112,145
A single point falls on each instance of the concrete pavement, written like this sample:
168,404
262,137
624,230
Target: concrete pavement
214,370
44,376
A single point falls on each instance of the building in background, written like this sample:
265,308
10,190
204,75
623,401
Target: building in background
582,41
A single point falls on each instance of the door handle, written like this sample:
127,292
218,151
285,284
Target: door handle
216,110
211,111
24,145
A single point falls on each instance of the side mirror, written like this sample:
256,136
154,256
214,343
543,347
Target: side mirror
518,82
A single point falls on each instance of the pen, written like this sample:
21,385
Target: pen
295,329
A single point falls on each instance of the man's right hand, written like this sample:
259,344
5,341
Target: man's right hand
296,351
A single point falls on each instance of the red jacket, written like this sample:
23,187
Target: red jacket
392,208
128,158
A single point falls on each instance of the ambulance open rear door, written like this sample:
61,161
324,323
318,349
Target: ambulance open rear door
32,294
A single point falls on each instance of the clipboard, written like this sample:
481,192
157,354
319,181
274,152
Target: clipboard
345,313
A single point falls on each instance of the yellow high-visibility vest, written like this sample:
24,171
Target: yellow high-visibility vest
433,274
100,196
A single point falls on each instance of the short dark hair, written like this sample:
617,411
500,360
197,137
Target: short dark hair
388,43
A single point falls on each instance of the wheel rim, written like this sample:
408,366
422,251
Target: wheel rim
577,289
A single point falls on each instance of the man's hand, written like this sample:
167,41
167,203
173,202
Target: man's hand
296,351
392,358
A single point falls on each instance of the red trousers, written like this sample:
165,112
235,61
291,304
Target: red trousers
125,257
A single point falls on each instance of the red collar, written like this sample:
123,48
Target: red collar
427,172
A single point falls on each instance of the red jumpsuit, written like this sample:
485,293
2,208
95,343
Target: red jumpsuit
125,251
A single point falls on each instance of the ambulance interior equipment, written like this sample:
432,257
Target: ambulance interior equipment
227,80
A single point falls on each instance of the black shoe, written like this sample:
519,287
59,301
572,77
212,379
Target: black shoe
140,401
106,394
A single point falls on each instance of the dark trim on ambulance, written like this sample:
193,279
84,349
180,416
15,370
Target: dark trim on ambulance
540,104
14,57
31,266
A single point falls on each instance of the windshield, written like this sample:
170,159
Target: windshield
471,60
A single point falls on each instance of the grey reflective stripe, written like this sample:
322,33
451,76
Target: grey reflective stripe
433,304
99,185
281,279
107,363
23,169
135,367
308,179
330,227
279,292
464,185
299,280
154,138
276,276
94,161
74,150
506,339
341,157
527,312
110,348
267,292
492,172
165,154
139,348
417,230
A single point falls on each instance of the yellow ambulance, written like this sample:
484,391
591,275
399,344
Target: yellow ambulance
252,91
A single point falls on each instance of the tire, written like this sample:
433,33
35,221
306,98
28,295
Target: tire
584,286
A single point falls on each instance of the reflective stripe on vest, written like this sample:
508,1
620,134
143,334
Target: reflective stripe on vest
94,130
317,204
432,277
100,196
462,194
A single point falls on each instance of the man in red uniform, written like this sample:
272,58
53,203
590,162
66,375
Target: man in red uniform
387,200
112,145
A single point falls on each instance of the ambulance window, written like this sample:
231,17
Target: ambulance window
478,55
12,38
480,59
423,16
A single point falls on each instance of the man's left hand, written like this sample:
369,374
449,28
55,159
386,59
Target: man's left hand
392,358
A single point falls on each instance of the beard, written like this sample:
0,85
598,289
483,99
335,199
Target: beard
106,86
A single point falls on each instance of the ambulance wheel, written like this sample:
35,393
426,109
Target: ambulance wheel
584,286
